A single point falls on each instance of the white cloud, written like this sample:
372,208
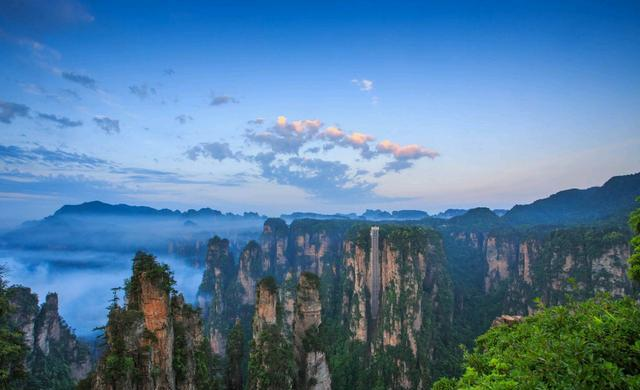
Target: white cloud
363,84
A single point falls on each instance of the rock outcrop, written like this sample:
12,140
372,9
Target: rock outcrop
250,270
217,295
436,289
152,342
313,370
55,354
414,289
275,237
271,362
498,254
506,319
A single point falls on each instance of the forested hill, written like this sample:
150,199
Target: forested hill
613,201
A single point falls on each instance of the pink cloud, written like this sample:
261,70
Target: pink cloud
407,152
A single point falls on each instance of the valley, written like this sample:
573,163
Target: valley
313,298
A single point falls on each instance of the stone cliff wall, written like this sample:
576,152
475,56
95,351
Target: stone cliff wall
50,341
313,370
152,342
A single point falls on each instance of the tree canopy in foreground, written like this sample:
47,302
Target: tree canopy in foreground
589,345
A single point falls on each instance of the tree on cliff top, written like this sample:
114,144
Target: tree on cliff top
12,348
634,260
589,345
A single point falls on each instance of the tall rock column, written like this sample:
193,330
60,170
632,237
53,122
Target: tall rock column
214,298
55,354
374,262
275,235
313,371
271,363
155,341
249,271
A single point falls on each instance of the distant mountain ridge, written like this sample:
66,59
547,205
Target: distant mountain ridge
119,227
100,208
614,200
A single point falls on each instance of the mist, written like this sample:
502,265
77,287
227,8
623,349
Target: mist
83,280
127,233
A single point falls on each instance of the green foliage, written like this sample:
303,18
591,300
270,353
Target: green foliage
207,368
180,350
255,264
312,340
349,363
12,348
278,226
235,355
590,345
86,383
634,260
271,362
117,360
158,274
51,371
312,279
269,283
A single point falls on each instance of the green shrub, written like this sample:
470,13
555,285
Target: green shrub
590,345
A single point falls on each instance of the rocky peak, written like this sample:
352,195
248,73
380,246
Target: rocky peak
274,245
249,270
308,306
213,294
51,323
313,371
266,305
153,341
25,310
271,361
55,354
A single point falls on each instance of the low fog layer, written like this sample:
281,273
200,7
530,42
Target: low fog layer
83,280
125,233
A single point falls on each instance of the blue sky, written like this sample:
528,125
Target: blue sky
315,106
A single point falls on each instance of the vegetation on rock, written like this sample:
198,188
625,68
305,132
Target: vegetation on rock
13,350
590,345
235,354
634,260
155,340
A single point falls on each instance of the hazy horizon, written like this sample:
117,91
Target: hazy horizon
331,107
12,224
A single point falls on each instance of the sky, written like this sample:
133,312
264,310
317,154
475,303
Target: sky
330,106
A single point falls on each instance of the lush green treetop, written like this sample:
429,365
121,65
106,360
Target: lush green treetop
634,260
590,345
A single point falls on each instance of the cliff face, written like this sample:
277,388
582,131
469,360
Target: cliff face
355,291
414,303
580,262
313,370
275,237
228,293
266,306
498,255
271,364
217,295
153,341
413,299
250,270
434,289
504,271
56,357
